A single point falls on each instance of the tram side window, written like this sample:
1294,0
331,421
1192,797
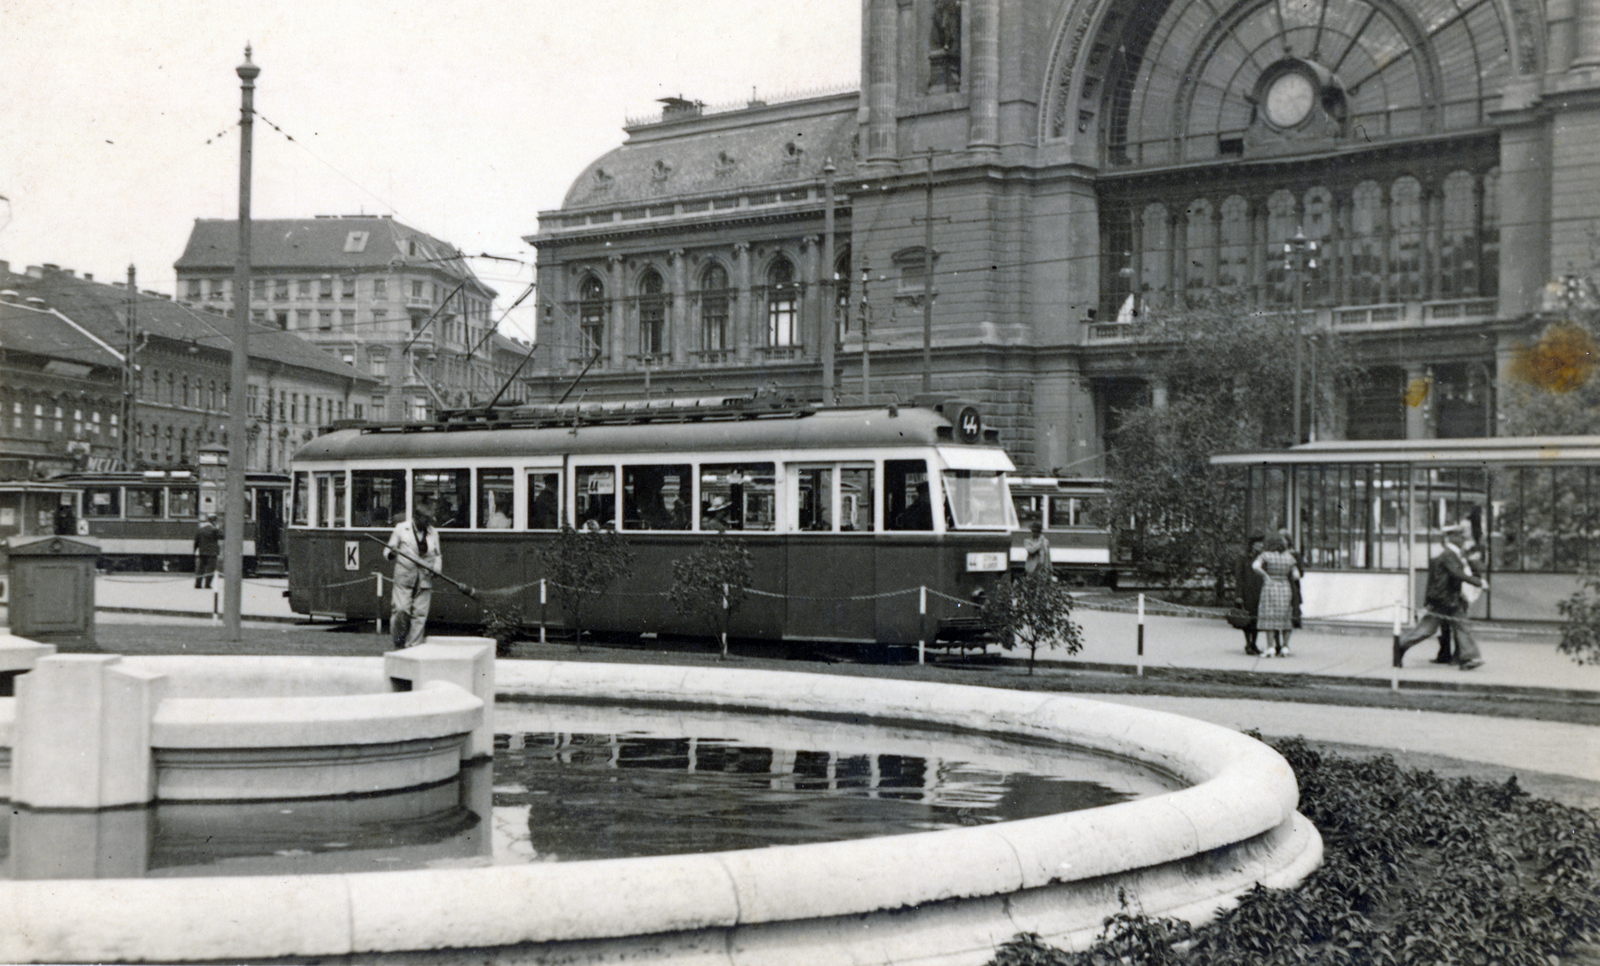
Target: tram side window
102,501
299,512
815,499
495,499
377,497
1091,511
856,498
544,500
452,489
656,497
330,499
1029,507
976,499
597,496
183,503
908,505
144,502
737,496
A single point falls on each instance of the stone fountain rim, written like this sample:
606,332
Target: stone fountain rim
1243,796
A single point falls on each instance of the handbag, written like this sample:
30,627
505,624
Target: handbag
1240,618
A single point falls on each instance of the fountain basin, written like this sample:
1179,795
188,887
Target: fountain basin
937,897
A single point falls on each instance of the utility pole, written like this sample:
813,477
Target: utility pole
830,283
132,319
927,284
1299,257
239,371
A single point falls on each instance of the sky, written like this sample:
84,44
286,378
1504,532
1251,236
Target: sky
463,119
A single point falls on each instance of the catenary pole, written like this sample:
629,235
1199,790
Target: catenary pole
830,282
239,370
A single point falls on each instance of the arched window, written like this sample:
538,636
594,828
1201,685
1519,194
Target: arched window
781,304
592,316
841,295
652,315
714,309
1405,213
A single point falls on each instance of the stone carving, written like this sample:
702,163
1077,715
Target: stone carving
724,165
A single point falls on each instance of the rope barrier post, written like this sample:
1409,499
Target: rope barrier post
216,615
922,624
1394,672
377,622
1139,665
542,599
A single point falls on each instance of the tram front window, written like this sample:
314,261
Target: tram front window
656,497
377,497
330,499
597,497
494,499
977,499
453,491
737,496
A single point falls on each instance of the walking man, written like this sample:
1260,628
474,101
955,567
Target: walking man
1444,604
206,540
414,548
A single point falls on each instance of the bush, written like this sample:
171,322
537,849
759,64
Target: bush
711,582
1417,870
1032,612
580,565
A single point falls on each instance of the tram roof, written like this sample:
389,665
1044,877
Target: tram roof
810,430
1537,450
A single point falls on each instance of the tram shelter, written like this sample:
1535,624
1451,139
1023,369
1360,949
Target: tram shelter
1367,517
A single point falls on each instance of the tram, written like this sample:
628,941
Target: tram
146,520
848,513
1076,513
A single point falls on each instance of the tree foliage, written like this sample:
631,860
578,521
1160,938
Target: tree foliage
580,565
712,582
1229,378
1031,612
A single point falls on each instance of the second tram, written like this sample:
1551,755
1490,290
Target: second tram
848,513
1076,513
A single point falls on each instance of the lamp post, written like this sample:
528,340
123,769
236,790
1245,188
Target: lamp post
1299,257
239,370
830,283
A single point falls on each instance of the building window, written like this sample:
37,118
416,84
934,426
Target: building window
61,426
591,316
356,241
258,316
258,289
377,407
302,318
116,426
94,422
380,289
281,317
378,363
303,289
347,319
194,288
252,396
714,309
347,356
280,290
417,291
325,288
219,288
652,315
347,288
325,319
211,389
380,316
419,409
77,422
781,304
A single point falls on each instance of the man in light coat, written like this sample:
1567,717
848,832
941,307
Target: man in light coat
414,548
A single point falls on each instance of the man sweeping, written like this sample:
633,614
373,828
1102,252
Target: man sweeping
414,548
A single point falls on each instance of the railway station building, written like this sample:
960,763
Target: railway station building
1082,162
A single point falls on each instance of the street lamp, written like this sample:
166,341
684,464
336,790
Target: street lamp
1299,257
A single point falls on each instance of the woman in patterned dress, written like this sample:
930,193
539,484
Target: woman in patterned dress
1275,613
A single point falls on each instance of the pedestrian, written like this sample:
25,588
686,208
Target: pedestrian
414,548
1037,547
1250,582
1295,599
1275,612
1444,603
206,540
66,522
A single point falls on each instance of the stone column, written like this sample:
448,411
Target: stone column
741,309
880,55
983,88
678,325
1524,216
1587,51
82,733
615,310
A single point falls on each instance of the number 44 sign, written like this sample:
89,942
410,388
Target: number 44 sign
352,555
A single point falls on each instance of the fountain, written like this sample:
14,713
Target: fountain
948,896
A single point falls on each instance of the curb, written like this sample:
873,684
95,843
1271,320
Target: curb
196,615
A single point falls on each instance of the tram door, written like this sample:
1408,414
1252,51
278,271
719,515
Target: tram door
832,571
269,522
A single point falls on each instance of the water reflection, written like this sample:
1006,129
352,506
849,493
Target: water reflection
578,782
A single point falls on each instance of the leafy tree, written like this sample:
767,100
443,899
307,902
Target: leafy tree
1033,611
1228,372
580,565
712,582
1580,623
